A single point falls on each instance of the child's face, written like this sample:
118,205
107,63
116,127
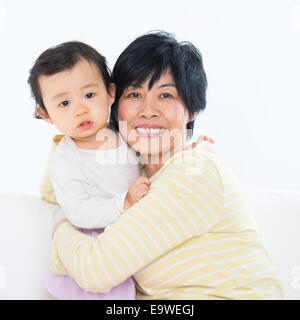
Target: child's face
76,100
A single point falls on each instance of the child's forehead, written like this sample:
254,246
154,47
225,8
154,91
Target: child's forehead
82,67
83,63
81,76
82,73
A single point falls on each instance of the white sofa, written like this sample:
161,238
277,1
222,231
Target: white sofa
278,219
26,225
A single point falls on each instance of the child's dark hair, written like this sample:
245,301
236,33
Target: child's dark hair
152,54
60,58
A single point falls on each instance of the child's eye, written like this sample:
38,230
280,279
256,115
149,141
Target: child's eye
64,103
90,95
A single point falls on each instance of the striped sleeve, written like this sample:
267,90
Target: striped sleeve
183,201
46,188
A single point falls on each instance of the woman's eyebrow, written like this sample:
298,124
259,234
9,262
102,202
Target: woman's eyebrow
167,85
134,86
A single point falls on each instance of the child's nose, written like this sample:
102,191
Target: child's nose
80,110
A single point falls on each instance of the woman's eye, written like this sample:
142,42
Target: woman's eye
166,95
64,103
134,95
90,95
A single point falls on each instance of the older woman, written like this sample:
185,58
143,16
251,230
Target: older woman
192,236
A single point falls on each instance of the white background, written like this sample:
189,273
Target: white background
251,53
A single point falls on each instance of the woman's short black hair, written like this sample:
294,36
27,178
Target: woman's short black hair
60,58
151,55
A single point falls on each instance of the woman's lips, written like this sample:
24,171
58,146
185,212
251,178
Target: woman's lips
85,125
150,131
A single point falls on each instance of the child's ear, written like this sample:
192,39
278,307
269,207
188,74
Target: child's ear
43,114
112,93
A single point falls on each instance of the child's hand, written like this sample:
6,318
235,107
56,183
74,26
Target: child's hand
199,140
137,190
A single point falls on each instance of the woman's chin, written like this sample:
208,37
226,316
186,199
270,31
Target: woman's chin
153,150
154,155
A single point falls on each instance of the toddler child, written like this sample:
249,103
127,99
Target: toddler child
95,175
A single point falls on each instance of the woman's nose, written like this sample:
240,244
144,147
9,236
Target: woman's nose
148,109
81,110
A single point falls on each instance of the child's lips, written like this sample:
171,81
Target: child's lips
84,125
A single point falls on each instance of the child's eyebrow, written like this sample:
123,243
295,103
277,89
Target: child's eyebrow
90,85
59,95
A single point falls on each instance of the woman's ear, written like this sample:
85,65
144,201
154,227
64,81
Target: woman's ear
43,114
193,116
112,93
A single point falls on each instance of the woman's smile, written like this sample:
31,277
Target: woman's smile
150,130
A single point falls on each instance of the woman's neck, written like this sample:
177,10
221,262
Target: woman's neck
151,169
153,163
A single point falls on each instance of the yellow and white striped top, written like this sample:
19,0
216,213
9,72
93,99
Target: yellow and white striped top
192,237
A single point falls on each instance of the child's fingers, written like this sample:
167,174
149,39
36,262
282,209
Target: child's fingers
143,187
142,179
143,194
140,195
205,138
201,138
142,190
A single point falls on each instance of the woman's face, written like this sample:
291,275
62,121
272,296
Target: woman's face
154,121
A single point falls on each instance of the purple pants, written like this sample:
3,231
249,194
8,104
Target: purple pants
65,288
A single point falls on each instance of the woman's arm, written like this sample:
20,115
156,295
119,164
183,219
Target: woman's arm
46,188
181,204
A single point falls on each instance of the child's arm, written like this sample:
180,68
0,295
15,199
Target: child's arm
137,190
82,207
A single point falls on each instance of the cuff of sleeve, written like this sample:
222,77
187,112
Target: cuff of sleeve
120,202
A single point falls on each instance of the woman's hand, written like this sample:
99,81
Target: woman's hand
57,225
